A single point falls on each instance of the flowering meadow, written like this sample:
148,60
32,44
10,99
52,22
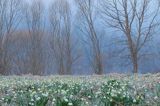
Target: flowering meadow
107,90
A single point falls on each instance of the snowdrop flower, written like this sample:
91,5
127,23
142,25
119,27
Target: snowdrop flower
155,97
71,96
63,92
30,103
45,94
124,95
134,100
32,100
86,102
70,104
65,99
110,100
53,99
119,92
147,102
53,103
38,98
34,92
89,97
82,99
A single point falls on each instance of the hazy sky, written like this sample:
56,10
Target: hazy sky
48,1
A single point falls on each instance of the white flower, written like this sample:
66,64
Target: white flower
70,104
147,102
65,99
31,104
155,97
53,99
45,94
32,99
63,92
119,92
53,102
110,100
33,93
89,96
87,103
38,98
71,96
134,100
123,87
82,99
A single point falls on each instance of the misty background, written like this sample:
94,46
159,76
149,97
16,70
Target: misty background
52,37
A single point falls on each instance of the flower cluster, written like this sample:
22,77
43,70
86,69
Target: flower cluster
79,91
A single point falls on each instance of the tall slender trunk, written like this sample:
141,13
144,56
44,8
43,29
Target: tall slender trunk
100,69
135,64
99,63
134,56
132,48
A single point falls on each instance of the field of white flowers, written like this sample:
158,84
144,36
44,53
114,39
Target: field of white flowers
109,90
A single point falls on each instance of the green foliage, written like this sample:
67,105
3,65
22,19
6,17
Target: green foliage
116,93
81,93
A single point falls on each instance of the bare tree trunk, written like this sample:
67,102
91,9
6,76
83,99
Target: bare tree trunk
87,10
62,43
10,17
34,20
135,19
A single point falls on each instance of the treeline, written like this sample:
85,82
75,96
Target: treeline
65,36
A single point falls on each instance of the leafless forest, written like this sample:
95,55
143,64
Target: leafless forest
79,37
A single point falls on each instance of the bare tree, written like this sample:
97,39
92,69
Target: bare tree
34,18
21,59
87,10
10,17
136,19
62,43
